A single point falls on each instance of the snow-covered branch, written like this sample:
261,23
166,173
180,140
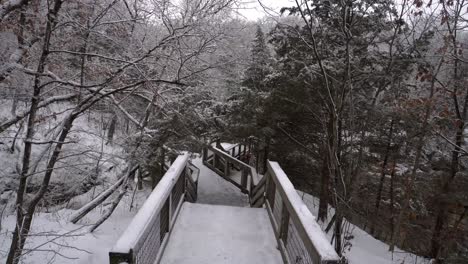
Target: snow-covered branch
10,6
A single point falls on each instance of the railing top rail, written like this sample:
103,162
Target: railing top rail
140,223
312,235
230,147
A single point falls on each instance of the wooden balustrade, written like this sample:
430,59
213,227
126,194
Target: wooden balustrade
300,238
146,237
229,167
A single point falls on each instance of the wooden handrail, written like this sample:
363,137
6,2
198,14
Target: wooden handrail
295,213
136,244
220,161
223,158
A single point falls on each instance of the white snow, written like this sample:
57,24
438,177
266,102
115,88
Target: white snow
221,234
365,249
226,146
52,233
212,189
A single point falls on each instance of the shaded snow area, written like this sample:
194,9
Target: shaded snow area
55,240
222,234
212,189
365,249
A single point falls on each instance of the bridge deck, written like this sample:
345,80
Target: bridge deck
221,234
213,189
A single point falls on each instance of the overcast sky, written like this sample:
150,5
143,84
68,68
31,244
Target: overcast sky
253,10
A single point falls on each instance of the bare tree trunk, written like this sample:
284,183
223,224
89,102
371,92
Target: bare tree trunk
111,131
24,215
265,154
102,197
13,144
382,175
14,104
162,160
115,202
437,239
324,191
409,181
392,200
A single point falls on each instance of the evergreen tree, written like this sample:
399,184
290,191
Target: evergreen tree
258,70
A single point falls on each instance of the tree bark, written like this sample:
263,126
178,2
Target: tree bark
111,131
382,175
324,191
24,215
409,181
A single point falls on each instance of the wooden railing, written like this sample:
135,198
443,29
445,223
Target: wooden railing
229,167
300,238
146,237
225,161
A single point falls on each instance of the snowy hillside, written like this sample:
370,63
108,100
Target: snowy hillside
55,240
364,248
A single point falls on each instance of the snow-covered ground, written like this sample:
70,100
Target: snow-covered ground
365,249
55,240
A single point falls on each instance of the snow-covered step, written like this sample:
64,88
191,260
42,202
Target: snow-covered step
206,234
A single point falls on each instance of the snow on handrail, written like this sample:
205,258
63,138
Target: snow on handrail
151,207
310,231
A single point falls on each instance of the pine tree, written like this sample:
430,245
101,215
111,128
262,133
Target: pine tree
257,71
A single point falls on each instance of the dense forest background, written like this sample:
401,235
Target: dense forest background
363,103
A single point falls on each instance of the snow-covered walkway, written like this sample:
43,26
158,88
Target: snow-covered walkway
221,234
220,227
212,189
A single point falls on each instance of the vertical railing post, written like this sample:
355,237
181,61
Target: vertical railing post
164,218
215,160
205,154
284,225
245,149
270,190
244,176
171,206
226,168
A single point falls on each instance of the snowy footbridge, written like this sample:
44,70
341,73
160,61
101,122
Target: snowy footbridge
172,228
